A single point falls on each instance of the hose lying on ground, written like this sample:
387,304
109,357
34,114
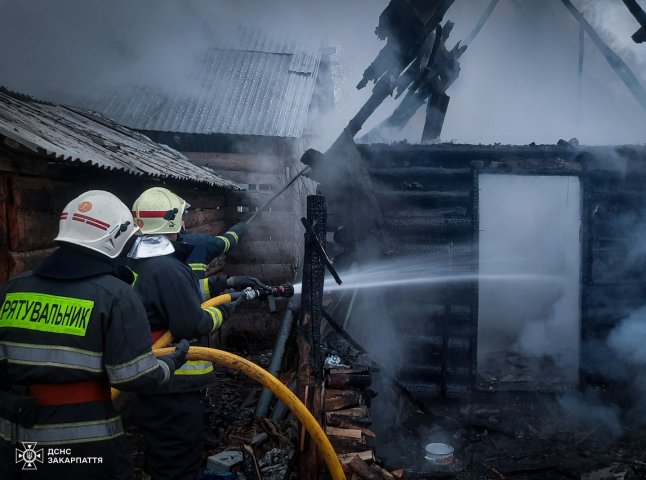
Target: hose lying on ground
262,376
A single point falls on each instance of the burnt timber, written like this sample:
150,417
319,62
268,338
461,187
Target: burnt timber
414,199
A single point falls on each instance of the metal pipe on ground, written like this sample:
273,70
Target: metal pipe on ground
279,348
274,366
280,409
260,375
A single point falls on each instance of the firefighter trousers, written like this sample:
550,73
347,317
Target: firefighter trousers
172,425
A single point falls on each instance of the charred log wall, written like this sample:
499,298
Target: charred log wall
427,203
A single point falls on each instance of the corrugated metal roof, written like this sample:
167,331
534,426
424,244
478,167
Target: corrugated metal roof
247,84
77,136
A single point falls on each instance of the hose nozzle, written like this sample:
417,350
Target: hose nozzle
285,290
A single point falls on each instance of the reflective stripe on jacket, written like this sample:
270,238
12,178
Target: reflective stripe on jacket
171,295
63,433
207,248
107,336
74,322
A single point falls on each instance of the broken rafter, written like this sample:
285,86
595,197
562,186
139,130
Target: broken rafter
640,35
481,23
619,66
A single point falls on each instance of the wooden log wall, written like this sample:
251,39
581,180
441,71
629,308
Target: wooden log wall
272,249
33,195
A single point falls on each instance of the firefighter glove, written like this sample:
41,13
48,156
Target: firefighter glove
241,282
178,358
228,308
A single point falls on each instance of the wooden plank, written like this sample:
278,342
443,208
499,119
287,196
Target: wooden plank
275,227
345,432
38,193
4,264
236,161
233,216
360,411
359,369
31,229
256,199
381,473
331,393
335,392
342,444
22,261
201,199
214,228
362,469
28,164
342,402
343,380
258,251
4,200
197,217
348,422
269,273
367,456
4,228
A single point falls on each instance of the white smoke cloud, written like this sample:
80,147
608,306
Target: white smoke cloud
627,341
518,82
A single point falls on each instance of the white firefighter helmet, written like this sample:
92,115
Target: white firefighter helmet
159,211
97,220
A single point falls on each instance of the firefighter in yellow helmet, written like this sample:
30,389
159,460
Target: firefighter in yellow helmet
68,330
171,419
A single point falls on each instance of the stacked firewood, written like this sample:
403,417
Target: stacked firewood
347,422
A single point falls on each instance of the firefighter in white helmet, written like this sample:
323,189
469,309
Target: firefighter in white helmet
172,418
68,330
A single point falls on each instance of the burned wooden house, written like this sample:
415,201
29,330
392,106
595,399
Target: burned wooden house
49,154
247,115
475,242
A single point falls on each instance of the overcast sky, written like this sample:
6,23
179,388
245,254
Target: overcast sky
518,80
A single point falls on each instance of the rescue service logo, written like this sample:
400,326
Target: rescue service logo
85,206
29,456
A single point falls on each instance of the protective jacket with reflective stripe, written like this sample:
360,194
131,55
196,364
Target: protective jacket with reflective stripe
73,323
207,248
212,286
171,295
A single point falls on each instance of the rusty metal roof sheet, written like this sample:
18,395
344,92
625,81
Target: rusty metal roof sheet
246,84
77,136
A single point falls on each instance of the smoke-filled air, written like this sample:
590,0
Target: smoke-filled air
518,82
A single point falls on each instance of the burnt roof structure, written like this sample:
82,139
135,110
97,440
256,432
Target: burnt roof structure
75,136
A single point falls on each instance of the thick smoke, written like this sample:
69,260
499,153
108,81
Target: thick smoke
518,82
626,342
526,230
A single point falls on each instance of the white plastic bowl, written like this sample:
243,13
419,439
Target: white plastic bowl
439,453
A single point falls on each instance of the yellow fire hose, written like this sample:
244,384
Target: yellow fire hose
167,338
262,376
265,378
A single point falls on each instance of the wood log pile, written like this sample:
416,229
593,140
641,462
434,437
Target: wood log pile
347,423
